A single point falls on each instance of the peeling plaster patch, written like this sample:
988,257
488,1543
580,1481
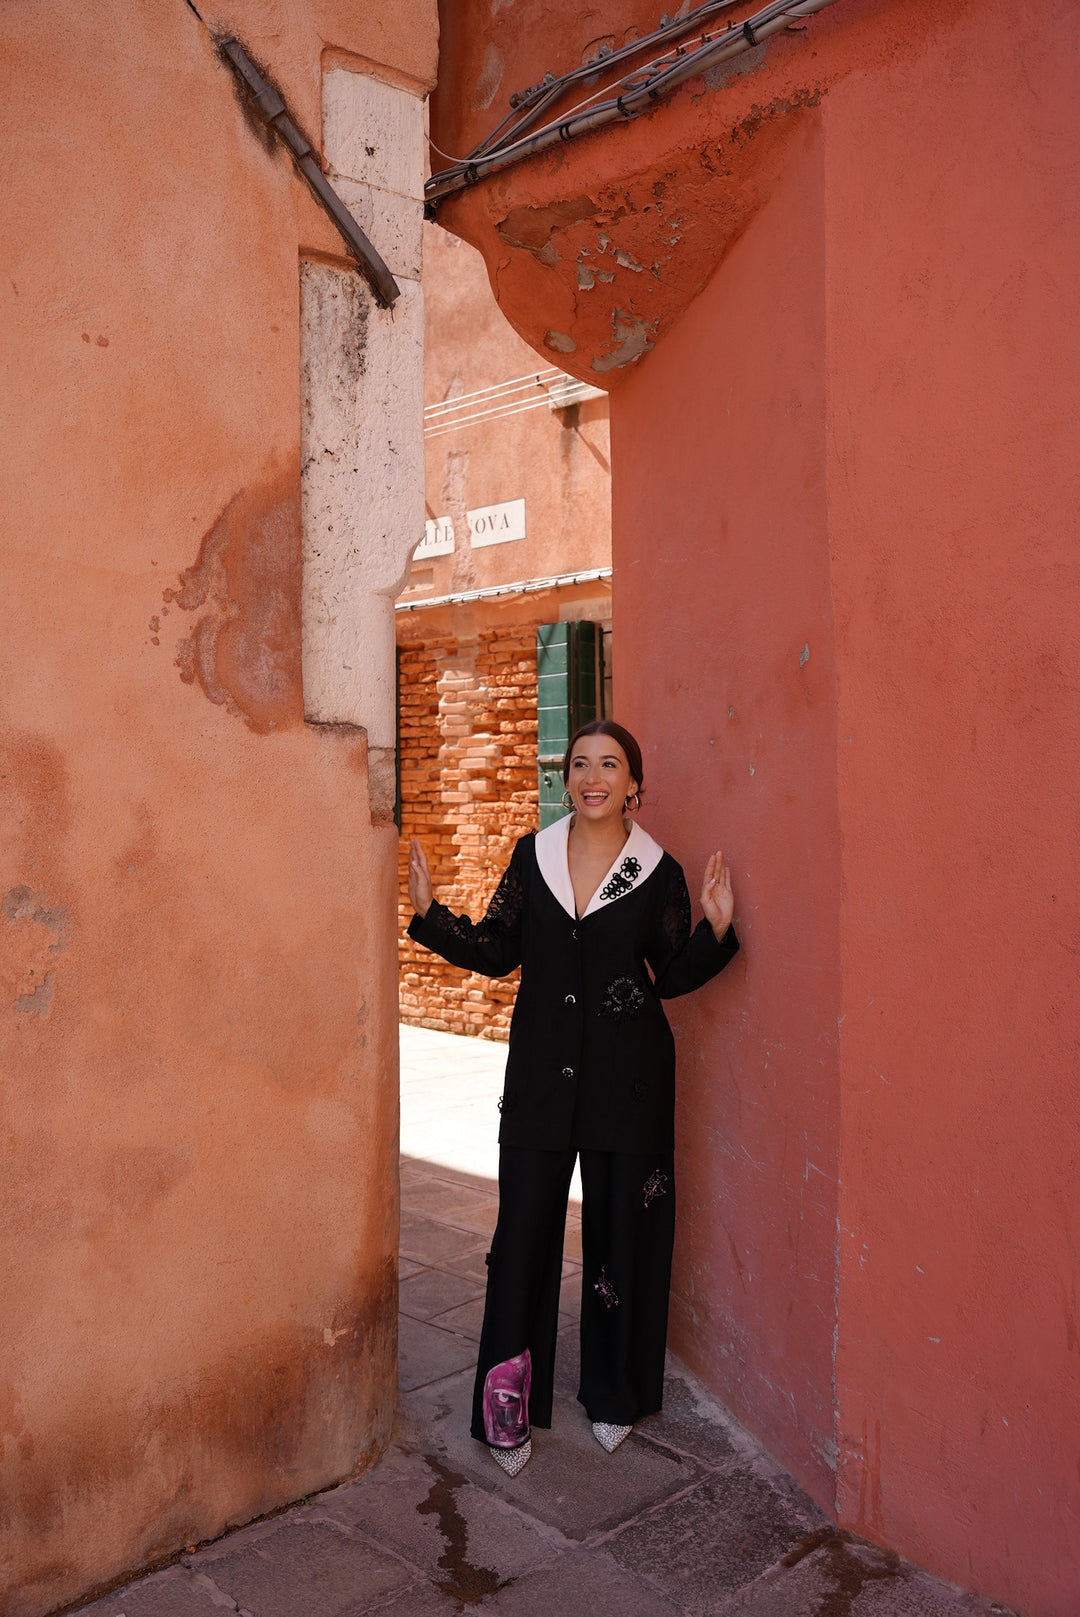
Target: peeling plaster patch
627,262
39,1002
28,951
245,648
716,78
633,338
605,275
559,342
749,126
486,87
586,280
382,784
533,228
20,904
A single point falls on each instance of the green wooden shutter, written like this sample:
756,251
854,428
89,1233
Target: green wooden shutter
566,678
397,737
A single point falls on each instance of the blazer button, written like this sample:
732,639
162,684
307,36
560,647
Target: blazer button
568,1072
570,1000
574,933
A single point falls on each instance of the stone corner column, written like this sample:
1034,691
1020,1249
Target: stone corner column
362,453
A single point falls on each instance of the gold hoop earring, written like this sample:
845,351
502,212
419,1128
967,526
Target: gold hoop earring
565,804
632,802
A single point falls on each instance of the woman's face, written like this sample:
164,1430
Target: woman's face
600,779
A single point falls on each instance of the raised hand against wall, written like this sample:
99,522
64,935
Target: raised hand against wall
421,892
717,899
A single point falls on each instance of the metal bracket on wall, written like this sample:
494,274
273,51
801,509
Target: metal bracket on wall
270,106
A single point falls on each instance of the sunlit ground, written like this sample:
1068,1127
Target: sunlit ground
450,1088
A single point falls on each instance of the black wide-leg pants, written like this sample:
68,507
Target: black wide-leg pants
627,1231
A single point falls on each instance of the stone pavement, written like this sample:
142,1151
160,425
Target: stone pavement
689,1516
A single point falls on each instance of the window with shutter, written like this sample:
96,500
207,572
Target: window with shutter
569,694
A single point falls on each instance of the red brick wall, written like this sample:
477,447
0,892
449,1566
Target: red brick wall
468,791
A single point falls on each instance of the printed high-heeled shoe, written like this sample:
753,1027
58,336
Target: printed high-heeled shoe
609,1437
506,1412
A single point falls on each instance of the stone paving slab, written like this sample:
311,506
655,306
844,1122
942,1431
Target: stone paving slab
582,1584
470,1265
303,1566
466,1319
425,1600
176,1592
414,1172
690,1422
479,1217
426,1353
713,1540
445,1199
570,1295
427,1241
855,1578
463,1538
432,1291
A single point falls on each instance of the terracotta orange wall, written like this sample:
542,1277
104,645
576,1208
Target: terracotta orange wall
953,253
722,582
198,907
869,418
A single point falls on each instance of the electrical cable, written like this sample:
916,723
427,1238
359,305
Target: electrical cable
530,103
683,64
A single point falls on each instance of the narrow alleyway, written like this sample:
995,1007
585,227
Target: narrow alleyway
688,1516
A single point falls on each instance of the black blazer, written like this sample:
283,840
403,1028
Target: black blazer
591,1062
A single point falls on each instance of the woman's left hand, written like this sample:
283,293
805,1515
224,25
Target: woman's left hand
717,899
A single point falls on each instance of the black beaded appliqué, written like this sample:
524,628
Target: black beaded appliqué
655,1185
623,999
606,1291
621,880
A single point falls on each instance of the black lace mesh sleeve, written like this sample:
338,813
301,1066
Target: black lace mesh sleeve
681,959
491,946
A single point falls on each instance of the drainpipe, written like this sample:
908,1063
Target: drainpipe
271,108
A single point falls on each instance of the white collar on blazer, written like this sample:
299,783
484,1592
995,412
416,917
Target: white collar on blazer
636,859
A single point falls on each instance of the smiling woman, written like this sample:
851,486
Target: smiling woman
597,916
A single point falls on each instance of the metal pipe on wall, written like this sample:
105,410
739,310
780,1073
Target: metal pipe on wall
772,19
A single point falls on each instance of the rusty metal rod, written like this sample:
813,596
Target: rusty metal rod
271,108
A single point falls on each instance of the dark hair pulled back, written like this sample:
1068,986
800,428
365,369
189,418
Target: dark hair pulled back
607,727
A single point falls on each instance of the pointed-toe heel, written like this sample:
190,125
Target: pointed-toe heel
609,1437
512,1460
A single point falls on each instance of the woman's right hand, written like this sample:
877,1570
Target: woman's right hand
421,894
